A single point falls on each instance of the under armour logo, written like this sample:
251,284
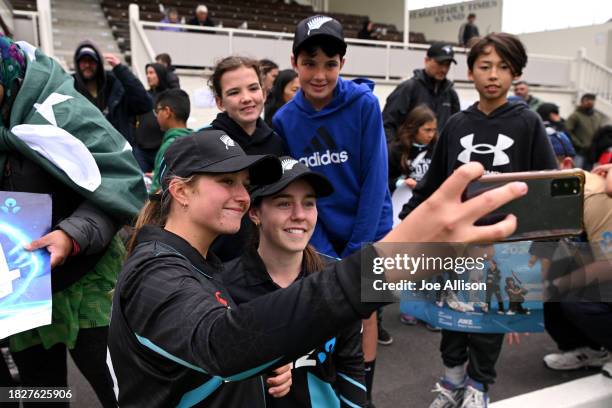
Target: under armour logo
500,158
227,141
447,49
317,22
288,164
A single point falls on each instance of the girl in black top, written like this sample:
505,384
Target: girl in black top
410,154
285,87
237,85
147,133
285,214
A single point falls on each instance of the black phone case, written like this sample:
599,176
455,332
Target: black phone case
539,214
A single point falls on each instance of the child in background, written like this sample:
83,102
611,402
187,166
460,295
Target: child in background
409,159
238,87
503,137
334,126
284,89
410,154
172,109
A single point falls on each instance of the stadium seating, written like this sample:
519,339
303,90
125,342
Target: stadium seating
266,15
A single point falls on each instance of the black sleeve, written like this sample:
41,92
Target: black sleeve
137,97
350,367
396,108
90,227
173,80
185,317
434,177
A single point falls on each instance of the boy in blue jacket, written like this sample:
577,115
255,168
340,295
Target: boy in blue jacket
334,126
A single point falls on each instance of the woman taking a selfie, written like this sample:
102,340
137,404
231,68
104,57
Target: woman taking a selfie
176,336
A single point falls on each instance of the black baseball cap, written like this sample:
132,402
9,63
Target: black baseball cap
317,26
88,52
294,170
213,151
441,52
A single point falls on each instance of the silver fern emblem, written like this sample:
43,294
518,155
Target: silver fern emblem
288,164
317,22
227,141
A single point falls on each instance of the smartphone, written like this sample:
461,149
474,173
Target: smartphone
552,207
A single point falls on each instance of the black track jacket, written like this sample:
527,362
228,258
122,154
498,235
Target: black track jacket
333,373
176,337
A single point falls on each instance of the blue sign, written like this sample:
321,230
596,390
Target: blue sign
25,277
511,300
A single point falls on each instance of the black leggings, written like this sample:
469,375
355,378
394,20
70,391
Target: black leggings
40,367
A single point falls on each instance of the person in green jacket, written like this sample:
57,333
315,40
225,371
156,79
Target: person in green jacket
582,125
172,108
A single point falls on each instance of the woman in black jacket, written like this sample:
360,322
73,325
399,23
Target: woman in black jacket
285,214
176,336
147,134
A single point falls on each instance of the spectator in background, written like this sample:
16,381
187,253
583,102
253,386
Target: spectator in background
201,17
368,32
428,86
549,112
521,89
582,125
147,134
172,17
269,72
172,109
117,93
285,87
468,30
166,61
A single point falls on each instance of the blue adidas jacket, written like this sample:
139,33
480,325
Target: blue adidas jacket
345,141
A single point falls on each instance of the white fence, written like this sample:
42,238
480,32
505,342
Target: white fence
201,47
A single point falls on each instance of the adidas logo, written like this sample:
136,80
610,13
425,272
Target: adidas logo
317,22
323,151
325,158
227,141
288,164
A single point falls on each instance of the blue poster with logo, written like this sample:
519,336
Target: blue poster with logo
25,277
509,298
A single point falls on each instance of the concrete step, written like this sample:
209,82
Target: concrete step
87,15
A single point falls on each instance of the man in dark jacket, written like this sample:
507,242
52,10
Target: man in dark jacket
428,86
117,93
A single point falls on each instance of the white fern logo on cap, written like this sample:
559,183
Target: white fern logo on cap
288,164
317,22
227,141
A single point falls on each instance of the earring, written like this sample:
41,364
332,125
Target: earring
184,205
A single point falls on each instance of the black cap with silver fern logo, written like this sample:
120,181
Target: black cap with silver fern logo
317,26
294,170
213,151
